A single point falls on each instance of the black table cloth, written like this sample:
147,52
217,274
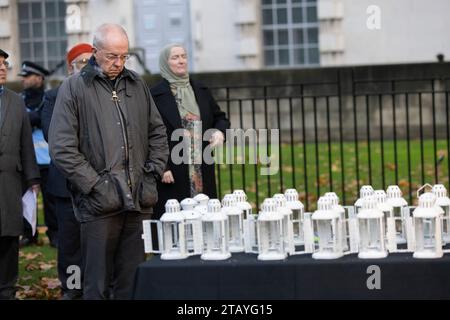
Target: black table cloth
243,277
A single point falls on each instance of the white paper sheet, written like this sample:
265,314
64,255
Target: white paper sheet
29,203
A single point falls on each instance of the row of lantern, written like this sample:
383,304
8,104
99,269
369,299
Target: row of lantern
378,223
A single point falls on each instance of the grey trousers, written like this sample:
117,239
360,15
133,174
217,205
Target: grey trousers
112,248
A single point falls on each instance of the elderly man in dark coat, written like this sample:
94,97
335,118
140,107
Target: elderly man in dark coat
107,138
17,166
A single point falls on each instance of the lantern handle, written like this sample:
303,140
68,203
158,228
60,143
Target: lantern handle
423,188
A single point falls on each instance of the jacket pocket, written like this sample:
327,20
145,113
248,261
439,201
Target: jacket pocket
148,194
104,197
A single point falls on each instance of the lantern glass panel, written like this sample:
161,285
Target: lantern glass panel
274,236
370,228
270,236
386,215
428,234
446,224
247,213
171,237
189,230
234,231
399,223
214,238
297,217
297,214
175,235
425,234
326,236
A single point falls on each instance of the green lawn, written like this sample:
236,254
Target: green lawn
38,277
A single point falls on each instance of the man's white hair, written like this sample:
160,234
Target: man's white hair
100,34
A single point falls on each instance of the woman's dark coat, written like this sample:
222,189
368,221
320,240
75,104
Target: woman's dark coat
211,117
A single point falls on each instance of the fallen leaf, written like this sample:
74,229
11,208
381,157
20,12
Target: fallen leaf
390,166
23,288
403,183
287,169
31,267
50,283
32,256
46,266
42,229
323,181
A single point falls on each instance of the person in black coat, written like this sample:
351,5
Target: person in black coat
18,169
187,105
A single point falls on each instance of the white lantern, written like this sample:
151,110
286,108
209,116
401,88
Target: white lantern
288,230
174,240
188,204
327,229
363,192
351,224
270,235
308,232
249,223
400,213
385,207
235,223
371,230
427,228
339,209
241,202
443,201
298,211
202,203
215,233
193,227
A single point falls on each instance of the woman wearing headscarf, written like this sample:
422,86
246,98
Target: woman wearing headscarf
188,105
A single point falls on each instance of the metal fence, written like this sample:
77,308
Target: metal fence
337,136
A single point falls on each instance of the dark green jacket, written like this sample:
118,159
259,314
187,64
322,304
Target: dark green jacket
110,149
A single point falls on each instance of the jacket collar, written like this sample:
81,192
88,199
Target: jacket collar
167,105
161,88
1,90
92,70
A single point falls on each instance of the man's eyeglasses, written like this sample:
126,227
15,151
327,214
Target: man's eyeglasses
4,63
113,57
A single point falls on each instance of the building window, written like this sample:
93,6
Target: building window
290,33
43,37
175,20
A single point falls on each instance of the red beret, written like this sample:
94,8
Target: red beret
77,50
